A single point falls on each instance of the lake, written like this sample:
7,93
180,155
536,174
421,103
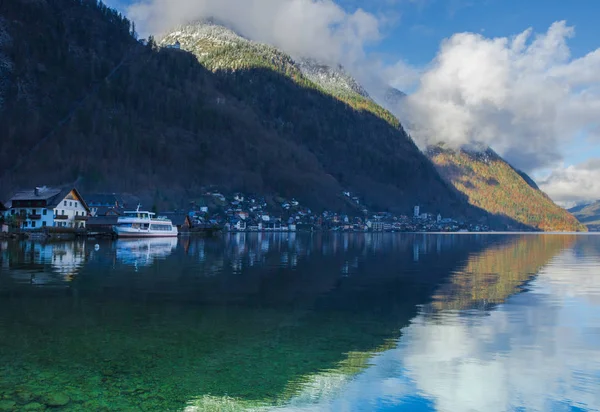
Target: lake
302,322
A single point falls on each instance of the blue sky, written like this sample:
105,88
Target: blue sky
418,26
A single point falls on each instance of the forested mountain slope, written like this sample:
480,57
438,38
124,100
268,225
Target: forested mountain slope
85,102
490,183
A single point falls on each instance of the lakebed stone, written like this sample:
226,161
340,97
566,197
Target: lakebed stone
23,396
34,406
56,399
7,405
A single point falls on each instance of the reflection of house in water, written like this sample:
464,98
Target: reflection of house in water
43,264
67,258
143,252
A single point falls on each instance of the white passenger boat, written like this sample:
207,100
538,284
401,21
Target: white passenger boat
143,224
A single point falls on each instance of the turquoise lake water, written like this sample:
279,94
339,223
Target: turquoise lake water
302,322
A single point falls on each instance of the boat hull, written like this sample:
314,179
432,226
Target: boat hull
129,232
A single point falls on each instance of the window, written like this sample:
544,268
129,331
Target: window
44,223
24,224
75,204
33,212
65,202
70,203
62,212
33,224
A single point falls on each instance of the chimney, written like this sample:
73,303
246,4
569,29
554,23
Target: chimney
37,191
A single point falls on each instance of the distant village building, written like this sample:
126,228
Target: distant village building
378,226
104,204
181,220
439,218
3,226
49,207
417,211
102,224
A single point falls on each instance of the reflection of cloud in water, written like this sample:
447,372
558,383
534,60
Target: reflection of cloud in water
143,252
539,351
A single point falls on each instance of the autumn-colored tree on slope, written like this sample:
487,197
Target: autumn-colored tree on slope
490,183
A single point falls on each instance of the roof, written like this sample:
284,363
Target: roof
102,221
177,219
103,199
52,196
108,210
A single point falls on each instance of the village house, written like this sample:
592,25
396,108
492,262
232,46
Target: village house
3,226
182,221
240,225
101,203
49,207
102,224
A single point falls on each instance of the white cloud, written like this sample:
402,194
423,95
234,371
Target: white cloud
574,184
320,29
524,96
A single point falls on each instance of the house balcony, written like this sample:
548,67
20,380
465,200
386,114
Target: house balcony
61,217
81,218
34,217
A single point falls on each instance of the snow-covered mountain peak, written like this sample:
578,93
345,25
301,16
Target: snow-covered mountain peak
332,79
204,37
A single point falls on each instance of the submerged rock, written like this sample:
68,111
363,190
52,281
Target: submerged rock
34,406
56,399
7,405
24,396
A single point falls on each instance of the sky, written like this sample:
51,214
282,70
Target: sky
520,76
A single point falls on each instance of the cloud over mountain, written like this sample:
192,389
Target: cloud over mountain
306,28
524,95
574,184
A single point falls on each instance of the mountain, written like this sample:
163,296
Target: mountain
490,183
87,103
83,102
393,96
335,81
219,49
588,214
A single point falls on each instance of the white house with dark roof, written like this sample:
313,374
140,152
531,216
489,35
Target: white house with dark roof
49,207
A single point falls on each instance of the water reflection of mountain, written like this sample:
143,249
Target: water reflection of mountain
498,272
253,317
538,351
